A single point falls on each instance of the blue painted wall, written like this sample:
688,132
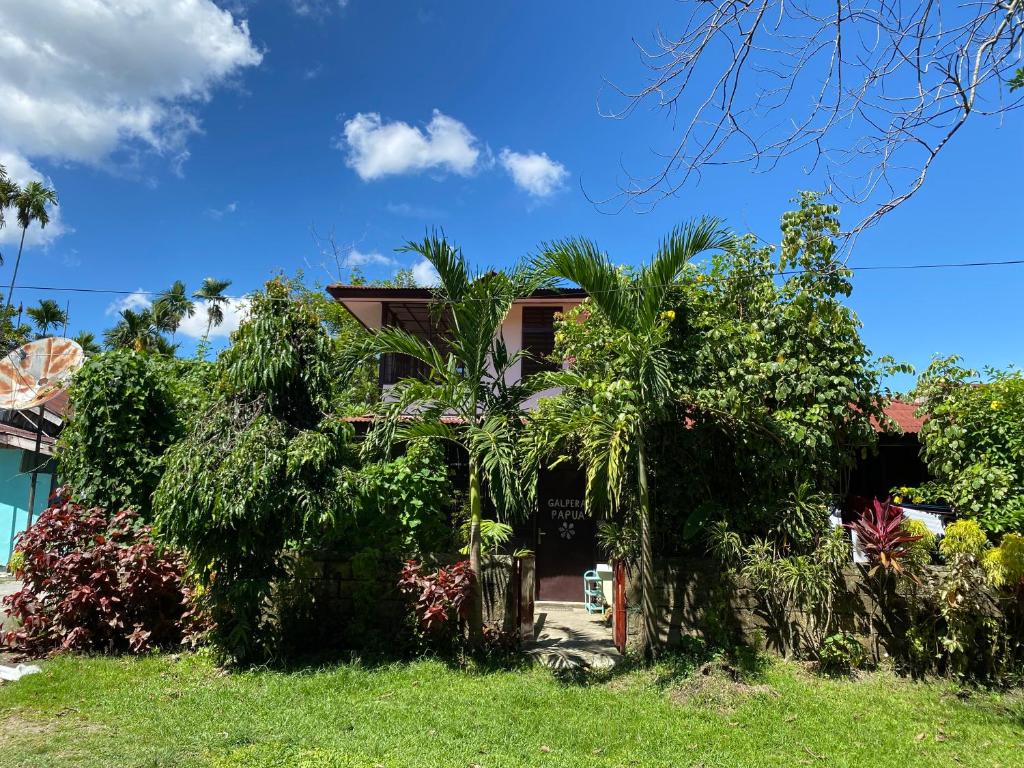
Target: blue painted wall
14,498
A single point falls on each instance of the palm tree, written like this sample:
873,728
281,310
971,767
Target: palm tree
462,396
47,314
171,307
136,331
87,341
30,204
212,292
8,191
608,422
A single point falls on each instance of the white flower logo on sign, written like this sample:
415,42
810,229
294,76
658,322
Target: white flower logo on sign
567,531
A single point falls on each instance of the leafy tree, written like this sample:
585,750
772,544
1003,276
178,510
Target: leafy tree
137,331
48,314
30,204
261,468
608,418
87,341
125,415
212,292
973,442
172,307
463,398
402,503
13,335
8,191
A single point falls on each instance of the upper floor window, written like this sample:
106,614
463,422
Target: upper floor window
539,339
418,319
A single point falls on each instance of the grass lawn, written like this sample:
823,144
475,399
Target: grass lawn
170,711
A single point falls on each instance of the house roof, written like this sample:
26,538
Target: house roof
379,293
905,415
15,437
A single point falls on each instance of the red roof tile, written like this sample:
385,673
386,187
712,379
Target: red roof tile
905,415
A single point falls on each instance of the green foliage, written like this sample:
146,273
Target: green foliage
1004,565
619,541
493,535
973,442
48,314
261,471
840,654
918,553
464,398
963,537
788,579
127,410
763,362
402,503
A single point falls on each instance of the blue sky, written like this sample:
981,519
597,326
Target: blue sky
212,141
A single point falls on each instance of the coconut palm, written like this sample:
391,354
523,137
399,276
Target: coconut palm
29,204
48,314
137,331
609,421
462,396
8,191
87,341
172,307
212,292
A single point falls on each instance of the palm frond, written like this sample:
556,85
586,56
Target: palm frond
682,244
447,260
582,262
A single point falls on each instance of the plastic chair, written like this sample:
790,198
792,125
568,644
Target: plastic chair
593,593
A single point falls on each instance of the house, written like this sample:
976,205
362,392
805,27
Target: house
19,431
897,461
561,533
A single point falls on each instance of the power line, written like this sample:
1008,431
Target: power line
785,273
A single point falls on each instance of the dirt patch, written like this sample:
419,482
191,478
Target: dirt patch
15,727
719,687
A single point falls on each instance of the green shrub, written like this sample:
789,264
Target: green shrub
1004,565
403,503
126,416
262,472
919,553
963,537
840,654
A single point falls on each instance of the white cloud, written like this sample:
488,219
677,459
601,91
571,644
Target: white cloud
220,213
536,173
81,79
235,312
415,211
424,274
359,259
377,149
134,301
316,9
20,171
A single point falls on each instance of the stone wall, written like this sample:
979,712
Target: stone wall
335,603
696,599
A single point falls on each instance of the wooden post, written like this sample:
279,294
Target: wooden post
619,605
527,567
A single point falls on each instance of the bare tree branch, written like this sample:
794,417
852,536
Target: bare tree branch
867,92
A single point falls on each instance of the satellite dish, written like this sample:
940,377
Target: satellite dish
37,371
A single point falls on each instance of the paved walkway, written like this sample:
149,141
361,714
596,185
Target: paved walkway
567,636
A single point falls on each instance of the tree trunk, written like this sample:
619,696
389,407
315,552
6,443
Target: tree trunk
649,636
476,607
17,263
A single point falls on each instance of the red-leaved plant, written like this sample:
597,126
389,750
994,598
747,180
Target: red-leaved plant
440,600
881,537
96,582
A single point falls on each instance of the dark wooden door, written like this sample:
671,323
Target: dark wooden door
566,535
